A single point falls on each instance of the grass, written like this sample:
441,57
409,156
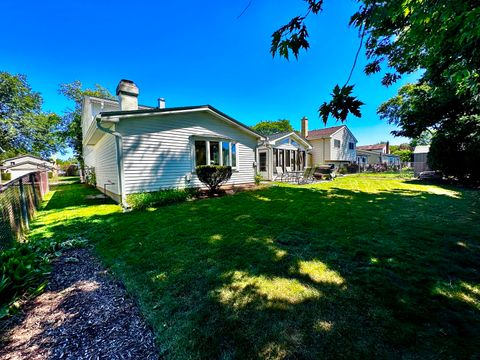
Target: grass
364,266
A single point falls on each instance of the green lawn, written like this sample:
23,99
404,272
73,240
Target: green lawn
364,266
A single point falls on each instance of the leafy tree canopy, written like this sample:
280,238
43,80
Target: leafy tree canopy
400,38
73,116
24,127
272,127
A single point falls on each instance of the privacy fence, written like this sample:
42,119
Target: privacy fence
19,200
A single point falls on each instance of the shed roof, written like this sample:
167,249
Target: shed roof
421,149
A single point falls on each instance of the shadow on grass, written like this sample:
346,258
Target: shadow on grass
299,272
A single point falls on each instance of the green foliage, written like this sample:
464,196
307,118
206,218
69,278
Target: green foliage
405,155
213,176
406,36
73,117
341,104
267,128
141,201
425,138
24,128
456,149
6,176
258,179
24,267
90,176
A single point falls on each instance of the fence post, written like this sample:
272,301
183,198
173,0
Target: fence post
23,203
35,196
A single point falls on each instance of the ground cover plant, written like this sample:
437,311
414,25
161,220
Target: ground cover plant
363,266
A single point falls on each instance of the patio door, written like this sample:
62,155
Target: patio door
263,164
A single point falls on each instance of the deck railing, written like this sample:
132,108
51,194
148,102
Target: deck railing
19,200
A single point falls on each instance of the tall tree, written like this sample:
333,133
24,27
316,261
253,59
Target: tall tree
73,116
437,36
24,127
271,127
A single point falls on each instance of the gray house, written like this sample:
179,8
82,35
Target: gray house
134,148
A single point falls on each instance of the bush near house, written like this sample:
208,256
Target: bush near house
6,176
146,200
214,176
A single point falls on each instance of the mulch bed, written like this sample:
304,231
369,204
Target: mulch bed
83,314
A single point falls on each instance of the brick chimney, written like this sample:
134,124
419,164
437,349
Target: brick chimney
127,93
304,130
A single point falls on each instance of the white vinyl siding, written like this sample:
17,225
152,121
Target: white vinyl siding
159,151
106,169
342,153
320,151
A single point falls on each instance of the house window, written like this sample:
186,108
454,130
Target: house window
287,158
234,155
217,153
200,153
336,144
263,161
225,153
351,145
214,153
12,162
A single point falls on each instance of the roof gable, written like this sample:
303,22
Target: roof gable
274,138
328,132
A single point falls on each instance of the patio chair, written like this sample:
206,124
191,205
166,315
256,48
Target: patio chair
280,174
289,174
307,176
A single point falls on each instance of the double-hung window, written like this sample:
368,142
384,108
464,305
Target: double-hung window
215,152
336,144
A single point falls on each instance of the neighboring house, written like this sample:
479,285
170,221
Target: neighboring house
333,145
420,157
24,164
283,150
366,157
377,154
136,148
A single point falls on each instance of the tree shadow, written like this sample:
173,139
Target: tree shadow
297,272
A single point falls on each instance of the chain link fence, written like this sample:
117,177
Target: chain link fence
19,199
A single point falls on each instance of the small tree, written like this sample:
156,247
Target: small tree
214,175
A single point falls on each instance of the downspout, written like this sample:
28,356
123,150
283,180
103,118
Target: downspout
119,148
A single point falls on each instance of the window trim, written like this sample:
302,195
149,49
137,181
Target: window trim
220,141
336,141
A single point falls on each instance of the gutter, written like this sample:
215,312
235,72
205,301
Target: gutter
119,153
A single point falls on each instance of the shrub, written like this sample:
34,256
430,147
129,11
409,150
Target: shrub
258,179
50,175
352,168
213,176
6,176
145,200
23,267
90,177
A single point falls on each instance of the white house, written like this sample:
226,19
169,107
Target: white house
24,164
136,148
283,150
333,145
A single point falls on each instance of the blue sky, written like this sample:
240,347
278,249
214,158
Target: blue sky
193,53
